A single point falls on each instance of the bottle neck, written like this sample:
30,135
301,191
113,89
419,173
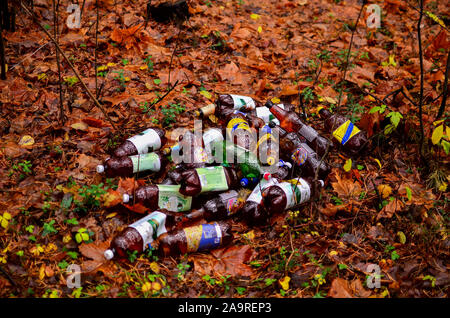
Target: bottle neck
324,113
196,214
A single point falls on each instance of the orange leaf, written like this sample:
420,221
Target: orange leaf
340,289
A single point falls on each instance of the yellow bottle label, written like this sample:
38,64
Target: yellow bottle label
345,131
237,123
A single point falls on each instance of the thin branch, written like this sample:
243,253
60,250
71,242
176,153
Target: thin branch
419,37
95,51
445,89
62,116
348,54
96,102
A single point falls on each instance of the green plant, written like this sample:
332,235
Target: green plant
149,62
49,229
91,197
132,256
70,80
82,236
308,94
183,267
170,113
432,279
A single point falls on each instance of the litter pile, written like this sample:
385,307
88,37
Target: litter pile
257,160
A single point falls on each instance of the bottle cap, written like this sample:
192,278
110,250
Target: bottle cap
244,182
100,169
125,198
272,124
269,104
267,176
108,254
288,164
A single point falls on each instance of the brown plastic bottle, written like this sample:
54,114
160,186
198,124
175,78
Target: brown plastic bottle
159,196
253,211
284,195
126,166
294,148
266,115
195,239
194,151
348,135
147,141
237,102
209,179
290,121
221,207
240,132
141,234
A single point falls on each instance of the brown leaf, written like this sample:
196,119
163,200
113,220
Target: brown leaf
94,250
389,210
346,188
225,261
340,289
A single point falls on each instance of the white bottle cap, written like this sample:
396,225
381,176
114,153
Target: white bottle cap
288,164
125,198
108,254
322,183
100,168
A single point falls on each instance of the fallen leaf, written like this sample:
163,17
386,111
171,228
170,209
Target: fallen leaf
26,141
340,289
348,165
94,250
388,211
284,282
384,190
225,261
346,188
80,126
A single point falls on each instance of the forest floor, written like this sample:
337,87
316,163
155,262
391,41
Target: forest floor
384,213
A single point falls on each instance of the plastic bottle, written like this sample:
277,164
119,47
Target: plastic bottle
147,141
290,121
195,239
266,115
126,166
199,150
253,212
284,195
348,135
223,206
240,132
294,148
237,102
141,234
160,196
209,179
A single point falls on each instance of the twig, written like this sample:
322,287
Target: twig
445,89
2,56
62,116
348,54
10,279
95,51
96,102
421,85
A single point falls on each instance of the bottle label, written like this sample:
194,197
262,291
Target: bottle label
146,141
208,110
237,123
256,195
308,132
212,179
299,156
230,200
203,237
171,199
150,227
243,102
345,131
146,161
211,136
297,191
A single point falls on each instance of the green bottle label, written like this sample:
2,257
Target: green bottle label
212,179
171,199
144,162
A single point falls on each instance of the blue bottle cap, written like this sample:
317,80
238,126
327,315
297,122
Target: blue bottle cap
244,182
